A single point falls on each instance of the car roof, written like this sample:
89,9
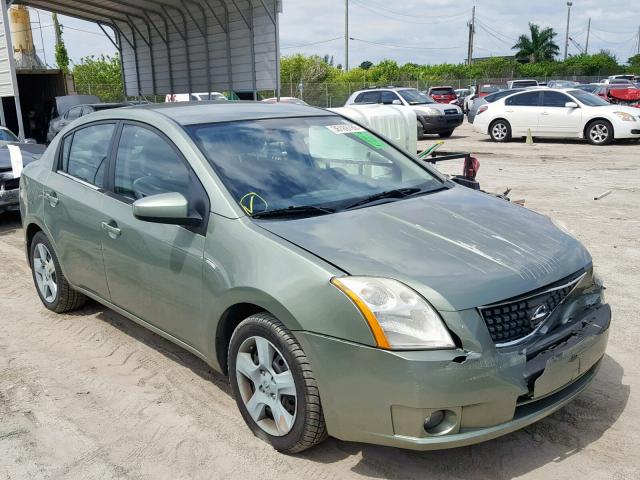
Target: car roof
190,113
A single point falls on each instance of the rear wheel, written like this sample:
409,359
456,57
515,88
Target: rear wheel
53,289
446,134
599,132
500,131
273,385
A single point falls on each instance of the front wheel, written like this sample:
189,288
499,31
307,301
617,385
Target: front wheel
600,132
273,385
446,134
500,131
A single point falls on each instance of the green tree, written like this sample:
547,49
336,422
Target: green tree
538,46
100,76
366,65
62,57
634,63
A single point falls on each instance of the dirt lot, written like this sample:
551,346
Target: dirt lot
93,396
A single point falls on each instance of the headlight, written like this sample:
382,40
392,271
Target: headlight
430,111
398,316
627,117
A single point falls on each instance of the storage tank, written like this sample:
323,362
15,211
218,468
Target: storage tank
398,124
24,51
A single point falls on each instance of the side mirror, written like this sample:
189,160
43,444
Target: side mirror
571,105
396,102
169,208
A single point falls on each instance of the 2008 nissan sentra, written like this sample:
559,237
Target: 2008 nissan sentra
346,288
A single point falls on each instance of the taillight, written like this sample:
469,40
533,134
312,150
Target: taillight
483,108
471,167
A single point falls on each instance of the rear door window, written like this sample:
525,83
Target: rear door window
85,153
528,99
368,97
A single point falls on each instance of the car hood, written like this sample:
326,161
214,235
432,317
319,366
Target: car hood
27,156
65,102
461,249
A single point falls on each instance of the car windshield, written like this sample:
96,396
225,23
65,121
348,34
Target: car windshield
442,91
588,99
308,166
7,136
415,97
525,83
488,89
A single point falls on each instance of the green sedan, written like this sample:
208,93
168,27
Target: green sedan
344,286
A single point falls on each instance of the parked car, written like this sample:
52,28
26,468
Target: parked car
433,117
194,97
588,87
346,287
295,100
522,83
478,102
561,84
567,113
442,94
481,91
621,79
620,94
9,182
74,107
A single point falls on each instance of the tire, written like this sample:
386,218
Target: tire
420,131
446,134
46,272
500,131
599,132
254,381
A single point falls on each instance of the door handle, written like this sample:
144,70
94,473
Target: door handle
544,113
112,230
52,198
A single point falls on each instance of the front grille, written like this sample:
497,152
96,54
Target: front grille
450,111
514,319
12,183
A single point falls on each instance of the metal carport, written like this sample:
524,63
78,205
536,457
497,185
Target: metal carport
178,46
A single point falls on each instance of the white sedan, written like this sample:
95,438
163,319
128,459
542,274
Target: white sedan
565,113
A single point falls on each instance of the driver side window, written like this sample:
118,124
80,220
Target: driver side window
146,164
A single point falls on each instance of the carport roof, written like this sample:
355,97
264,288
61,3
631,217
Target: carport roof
186,46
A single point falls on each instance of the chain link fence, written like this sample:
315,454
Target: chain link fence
325,95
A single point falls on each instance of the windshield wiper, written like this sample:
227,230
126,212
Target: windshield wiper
292,211
395,193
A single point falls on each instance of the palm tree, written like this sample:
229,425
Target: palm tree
539,47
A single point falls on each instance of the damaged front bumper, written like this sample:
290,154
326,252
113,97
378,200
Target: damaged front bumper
9,192
397,398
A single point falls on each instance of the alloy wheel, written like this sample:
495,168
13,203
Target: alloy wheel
499,131
45,273
266,385
599,133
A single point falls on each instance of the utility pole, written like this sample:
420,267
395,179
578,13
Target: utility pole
586,47
346,35
472,31
639,40
566,40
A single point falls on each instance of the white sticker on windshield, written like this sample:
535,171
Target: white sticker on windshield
16,160
342,128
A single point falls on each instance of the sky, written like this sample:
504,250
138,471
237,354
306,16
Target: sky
418,31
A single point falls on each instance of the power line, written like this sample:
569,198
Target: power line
403,19
408,47
312,43
413,15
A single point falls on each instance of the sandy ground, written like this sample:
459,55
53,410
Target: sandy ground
93,396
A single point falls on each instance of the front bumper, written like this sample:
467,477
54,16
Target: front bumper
9,192
440,123
383,397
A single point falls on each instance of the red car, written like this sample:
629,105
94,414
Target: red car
620,94
442,94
